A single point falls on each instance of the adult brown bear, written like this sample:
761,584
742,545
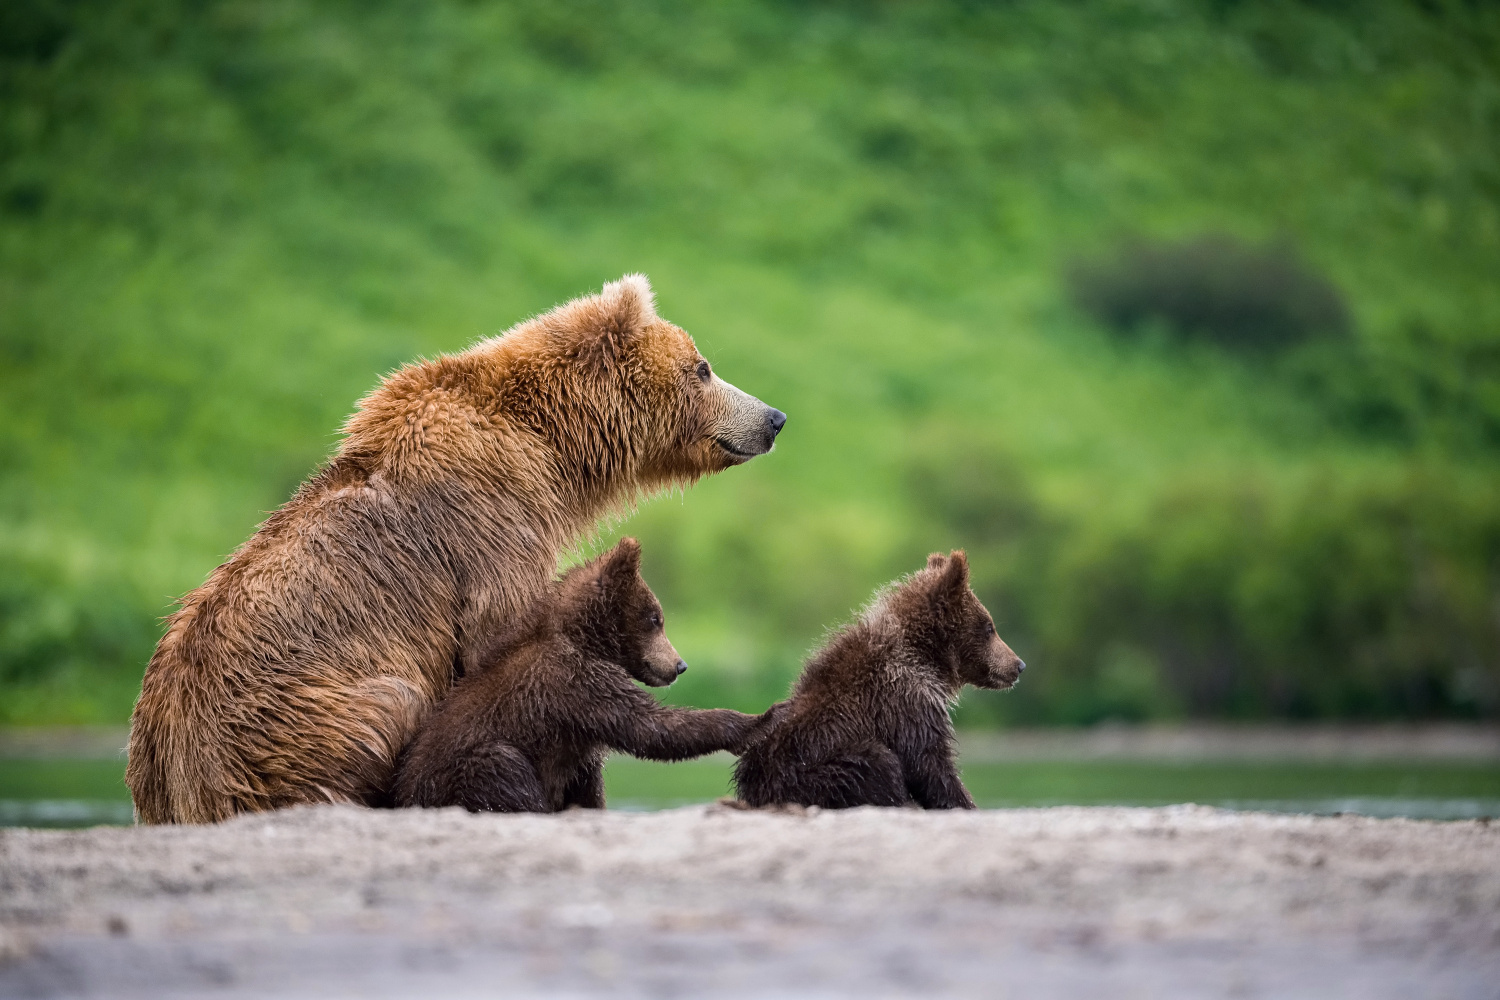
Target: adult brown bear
297,672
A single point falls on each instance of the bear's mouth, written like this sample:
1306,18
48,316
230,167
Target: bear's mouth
998,682
737,453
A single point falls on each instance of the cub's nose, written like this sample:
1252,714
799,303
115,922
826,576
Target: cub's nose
777,420
681,667
1020,666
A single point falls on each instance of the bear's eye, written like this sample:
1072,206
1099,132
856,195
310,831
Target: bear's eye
703,371
989,628
656,619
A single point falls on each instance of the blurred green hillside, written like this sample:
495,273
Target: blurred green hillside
221,222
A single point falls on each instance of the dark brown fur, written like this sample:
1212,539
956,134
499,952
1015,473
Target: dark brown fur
867,723
530,732
306,661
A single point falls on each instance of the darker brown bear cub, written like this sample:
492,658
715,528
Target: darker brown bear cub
867,723
529,733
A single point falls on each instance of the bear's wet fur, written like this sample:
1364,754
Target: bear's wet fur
867,722
302,666
529,733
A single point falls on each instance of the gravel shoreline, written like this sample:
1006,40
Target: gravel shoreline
335,901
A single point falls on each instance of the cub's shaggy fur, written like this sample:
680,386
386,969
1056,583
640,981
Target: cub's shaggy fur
867,723
303,665
530,732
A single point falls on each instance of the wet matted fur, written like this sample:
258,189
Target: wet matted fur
301,667
529,733
867,723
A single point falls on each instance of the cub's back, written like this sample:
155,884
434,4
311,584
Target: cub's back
514,699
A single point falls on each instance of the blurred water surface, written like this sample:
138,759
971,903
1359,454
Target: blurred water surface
1423,773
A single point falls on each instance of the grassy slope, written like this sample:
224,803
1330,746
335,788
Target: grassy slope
223,223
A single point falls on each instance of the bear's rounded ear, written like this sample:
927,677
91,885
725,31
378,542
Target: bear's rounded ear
625,557
955,576
935,560
628,306
631,298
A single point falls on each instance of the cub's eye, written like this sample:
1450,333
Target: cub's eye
703,371
656,619
989,628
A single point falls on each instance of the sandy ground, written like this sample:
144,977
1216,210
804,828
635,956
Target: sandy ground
710,901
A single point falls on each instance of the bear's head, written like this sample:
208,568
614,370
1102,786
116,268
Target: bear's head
585,405
612,614
941,615
625,396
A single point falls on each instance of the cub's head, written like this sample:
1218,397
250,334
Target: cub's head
940,614
615,616
627,396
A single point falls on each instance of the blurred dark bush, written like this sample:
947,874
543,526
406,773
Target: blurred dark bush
1212,287
60,637
1339,596
1417,383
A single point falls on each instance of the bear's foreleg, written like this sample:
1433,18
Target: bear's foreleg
586,789
660,732
931,776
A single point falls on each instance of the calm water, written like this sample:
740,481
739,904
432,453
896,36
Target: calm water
90,792
1425,790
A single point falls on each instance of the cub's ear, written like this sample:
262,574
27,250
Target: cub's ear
621,563
954,579
936,559
625,308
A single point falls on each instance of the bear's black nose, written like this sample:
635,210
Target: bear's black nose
777,420
681,667
1020,666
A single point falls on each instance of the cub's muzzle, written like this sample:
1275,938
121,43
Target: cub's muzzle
663,665
1006,667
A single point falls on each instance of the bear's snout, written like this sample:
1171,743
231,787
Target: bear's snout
1005,666
660,663
745,427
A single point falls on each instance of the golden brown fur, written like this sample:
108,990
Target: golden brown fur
298,671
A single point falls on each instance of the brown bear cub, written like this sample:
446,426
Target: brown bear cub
867,723
530,731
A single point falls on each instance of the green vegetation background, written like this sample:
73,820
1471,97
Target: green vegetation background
222,221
